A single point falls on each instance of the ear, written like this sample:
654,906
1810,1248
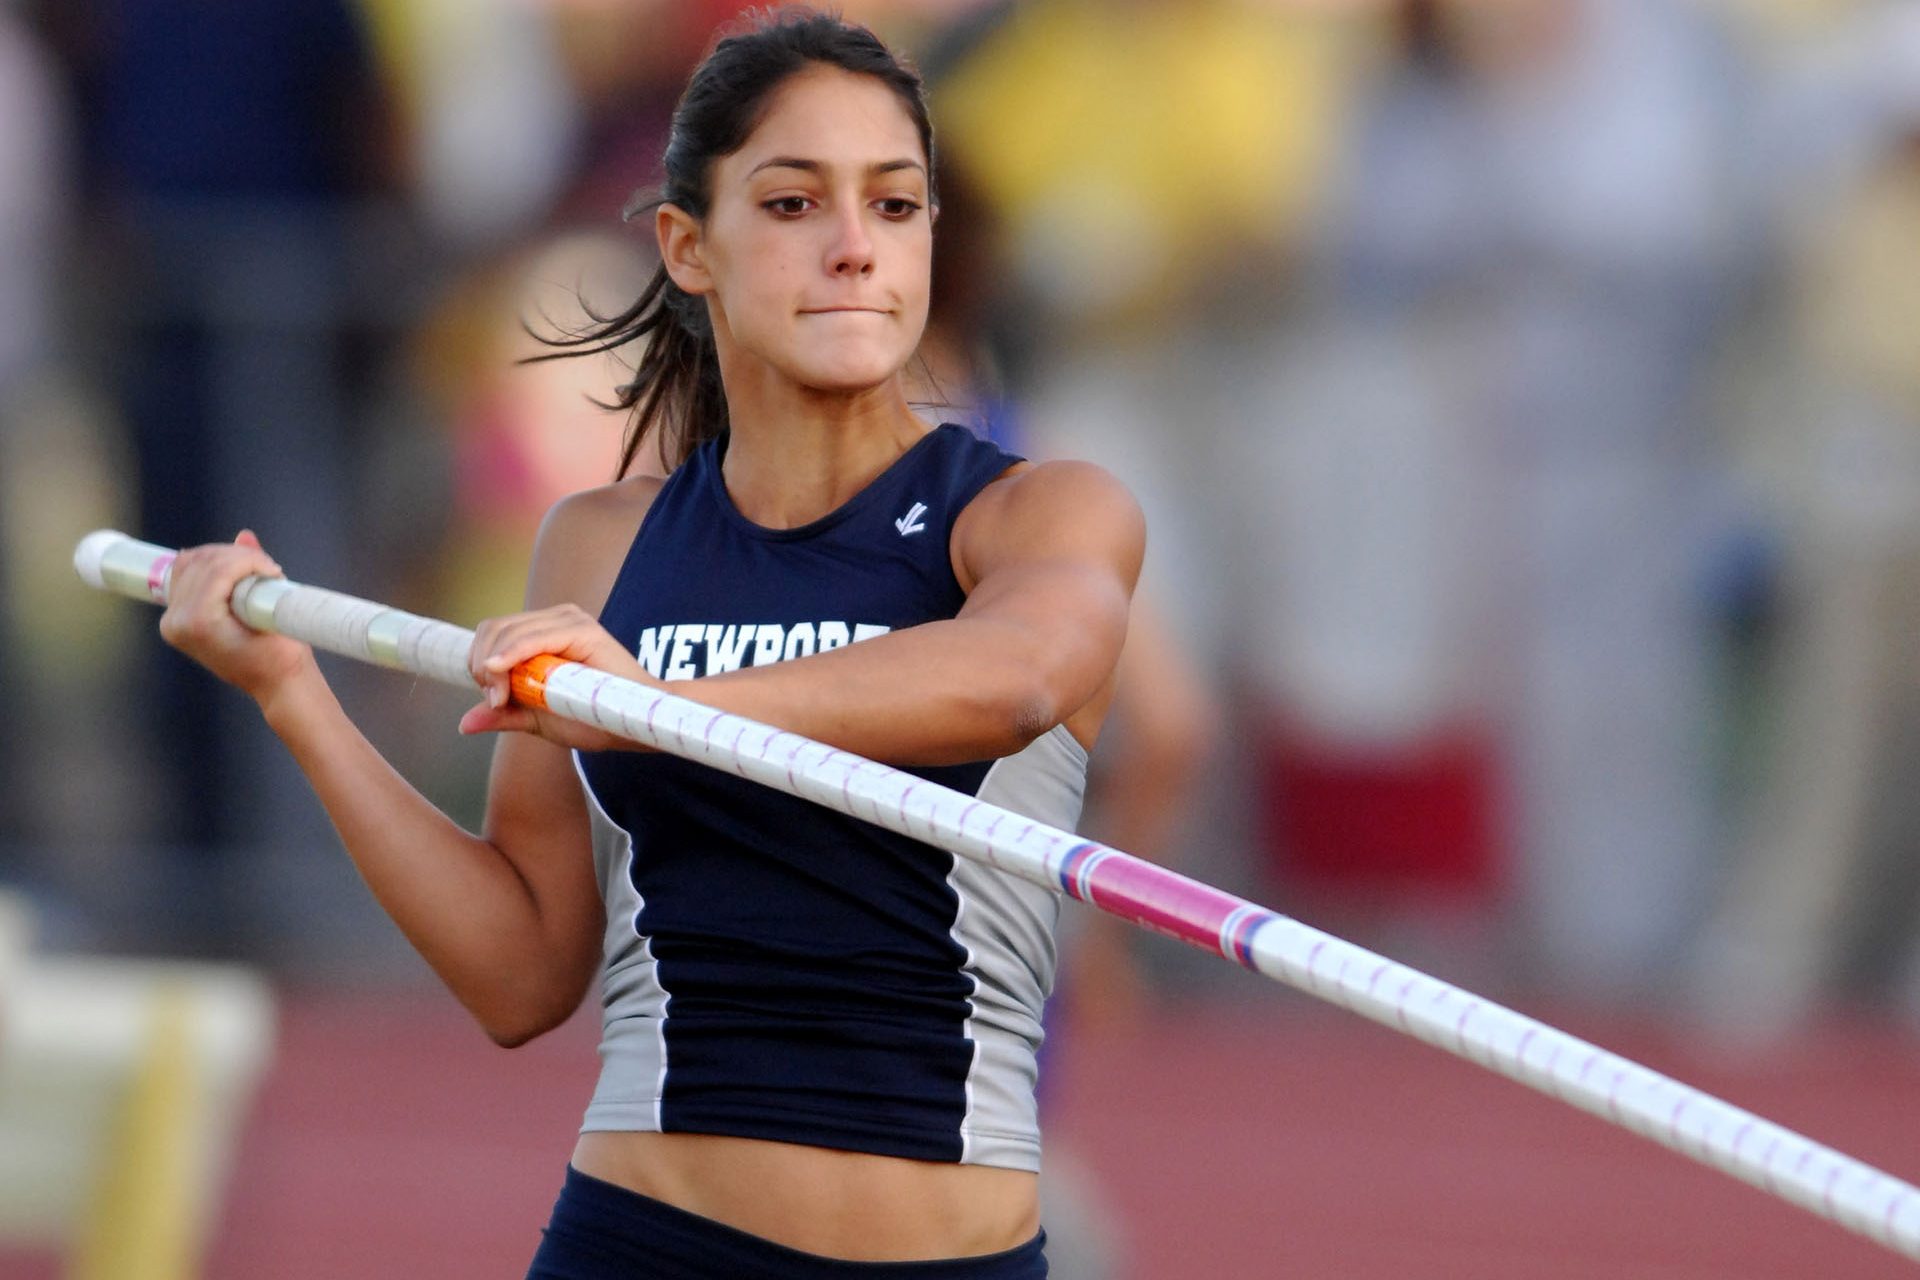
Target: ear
679,236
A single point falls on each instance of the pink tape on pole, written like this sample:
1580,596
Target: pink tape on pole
1177,907
157,575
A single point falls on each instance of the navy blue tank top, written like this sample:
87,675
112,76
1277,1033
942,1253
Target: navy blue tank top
775,969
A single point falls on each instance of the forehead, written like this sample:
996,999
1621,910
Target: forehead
837,117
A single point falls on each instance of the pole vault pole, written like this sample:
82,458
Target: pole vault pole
1683,1119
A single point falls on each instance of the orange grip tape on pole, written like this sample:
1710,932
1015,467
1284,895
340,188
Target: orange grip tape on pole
530,680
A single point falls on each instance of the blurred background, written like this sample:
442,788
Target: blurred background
1525,399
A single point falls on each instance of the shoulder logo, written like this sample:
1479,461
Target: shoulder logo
911,522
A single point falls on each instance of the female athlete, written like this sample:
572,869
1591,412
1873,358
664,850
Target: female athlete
818,1056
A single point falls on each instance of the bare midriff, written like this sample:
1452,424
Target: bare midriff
841,1204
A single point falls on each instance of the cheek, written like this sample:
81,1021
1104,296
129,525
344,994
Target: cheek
757,272
918,278
913,258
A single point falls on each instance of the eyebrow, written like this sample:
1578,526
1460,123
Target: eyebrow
815,166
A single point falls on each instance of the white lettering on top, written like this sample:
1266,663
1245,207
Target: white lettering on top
800,642
729,652
653,649
682,651
680,656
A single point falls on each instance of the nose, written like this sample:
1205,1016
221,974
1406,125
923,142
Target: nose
851,253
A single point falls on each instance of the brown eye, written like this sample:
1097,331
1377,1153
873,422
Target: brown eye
899,208
787,206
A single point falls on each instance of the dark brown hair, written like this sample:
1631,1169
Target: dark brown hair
676,389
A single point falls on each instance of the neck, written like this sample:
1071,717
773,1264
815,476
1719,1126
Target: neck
796,454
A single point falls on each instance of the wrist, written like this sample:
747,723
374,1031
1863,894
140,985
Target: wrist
286,701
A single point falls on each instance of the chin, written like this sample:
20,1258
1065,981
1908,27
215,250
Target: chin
851,373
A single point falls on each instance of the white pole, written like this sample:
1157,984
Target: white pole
1683,1119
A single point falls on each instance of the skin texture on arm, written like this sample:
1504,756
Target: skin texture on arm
1048,556
509,919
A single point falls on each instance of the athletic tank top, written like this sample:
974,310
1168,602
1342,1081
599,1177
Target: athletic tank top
774,969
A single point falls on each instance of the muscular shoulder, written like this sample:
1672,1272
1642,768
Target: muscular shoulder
1067,508
584,539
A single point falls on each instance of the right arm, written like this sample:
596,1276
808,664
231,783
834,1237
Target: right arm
510,919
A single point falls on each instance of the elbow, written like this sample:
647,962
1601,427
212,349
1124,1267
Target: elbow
1028,714
512,1024
1032,697
511,1033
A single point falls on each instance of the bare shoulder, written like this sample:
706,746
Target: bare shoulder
584,540
1036,509
1068,492
1065,480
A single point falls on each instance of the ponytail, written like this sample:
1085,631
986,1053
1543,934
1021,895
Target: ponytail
675,391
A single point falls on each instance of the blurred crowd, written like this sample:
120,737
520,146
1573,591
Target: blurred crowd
1524,396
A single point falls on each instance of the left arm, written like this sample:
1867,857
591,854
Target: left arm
1048,557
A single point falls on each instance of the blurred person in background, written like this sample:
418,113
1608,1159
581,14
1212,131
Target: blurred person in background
1529,262
1821,892
33,175
485,96
1386,789
222,146
845,1063
62,835
33,181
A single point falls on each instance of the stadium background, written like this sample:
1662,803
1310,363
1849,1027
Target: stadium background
1526,402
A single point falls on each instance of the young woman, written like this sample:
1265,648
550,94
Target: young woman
818,1055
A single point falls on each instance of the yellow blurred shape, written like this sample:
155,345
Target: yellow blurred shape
123,1085
1152,127
141,1222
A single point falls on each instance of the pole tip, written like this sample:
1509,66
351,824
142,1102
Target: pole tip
92,551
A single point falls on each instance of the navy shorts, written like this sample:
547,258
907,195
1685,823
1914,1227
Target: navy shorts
603,1232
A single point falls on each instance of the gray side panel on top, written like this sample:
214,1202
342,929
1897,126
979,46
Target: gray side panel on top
1006,925
633,1047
